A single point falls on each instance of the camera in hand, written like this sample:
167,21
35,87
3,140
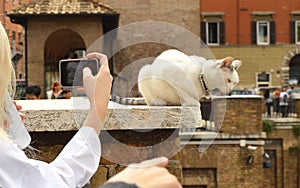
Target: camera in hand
70,71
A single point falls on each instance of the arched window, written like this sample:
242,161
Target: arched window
295,70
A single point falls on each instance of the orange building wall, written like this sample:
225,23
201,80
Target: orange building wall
238,17
8,5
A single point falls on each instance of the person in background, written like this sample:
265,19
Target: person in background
80,158
268,99
65,94
246,92
254,90
283,104
276,95
55,90
291,107
33,92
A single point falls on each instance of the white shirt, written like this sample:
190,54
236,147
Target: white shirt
282,94
73,167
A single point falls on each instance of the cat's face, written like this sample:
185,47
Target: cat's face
222,74
231,78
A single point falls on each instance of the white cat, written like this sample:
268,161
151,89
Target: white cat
177,79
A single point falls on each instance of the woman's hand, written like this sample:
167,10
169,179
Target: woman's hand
148,174
97,89
23,117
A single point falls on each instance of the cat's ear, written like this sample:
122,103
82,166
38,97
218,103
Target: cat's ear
227,62
231,63
236,64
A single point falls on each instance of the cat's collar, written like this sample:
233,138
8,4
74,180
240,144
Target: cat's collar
205,86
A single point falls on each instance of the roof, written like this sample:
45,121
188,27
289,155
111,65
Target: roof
63,7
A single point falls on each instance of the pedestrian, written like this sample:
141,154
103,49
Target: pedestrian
276,95
55,90
33,92
254,90
283,104
65,94
246,92
291,102
268,99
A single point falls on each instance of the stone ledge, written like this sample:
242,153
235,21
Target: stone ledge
213,135
224,142
68,115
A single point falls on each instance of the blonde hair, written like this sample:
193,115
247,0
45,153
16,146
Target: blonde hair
7,77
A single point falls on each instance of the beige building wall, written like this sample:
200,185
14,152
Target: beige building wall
183,13
257,59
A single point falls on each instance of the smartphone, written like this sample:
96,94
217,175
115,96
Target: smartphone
70,71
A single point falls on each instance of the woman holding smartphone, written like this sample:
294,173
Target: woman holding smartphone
80,158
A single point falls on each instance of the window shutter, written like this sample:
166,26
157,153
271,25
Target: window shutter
292,32
222,33
253,32
203,32
272,32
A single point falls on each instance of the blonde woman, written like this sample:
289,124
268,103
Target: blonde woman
80,158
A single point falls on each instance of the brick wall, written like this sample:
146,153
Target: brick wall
288,166
229,162
241,114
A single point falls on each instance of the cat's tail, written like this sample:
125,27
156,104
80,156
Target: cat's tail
128,101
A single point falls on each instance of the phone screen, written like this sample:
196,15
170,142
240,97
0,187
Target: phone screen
70,71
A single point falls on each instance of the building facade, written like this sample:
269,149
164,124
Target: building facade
15,34
265,35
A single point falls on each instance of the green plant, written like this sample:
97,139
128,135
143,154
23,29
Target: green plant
296,130
294,149
268,126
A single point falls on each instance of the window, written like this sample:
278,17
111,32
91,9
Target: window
294,71
263,28
297,31
295,27
213,28
263,79
212,33
263,32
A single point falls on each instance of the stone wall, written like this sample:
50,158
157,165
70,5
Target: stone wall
287,166
129,135
224,161
52,127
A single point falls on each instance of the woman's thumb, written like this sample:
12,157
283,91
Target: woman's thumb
160,161
86,72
